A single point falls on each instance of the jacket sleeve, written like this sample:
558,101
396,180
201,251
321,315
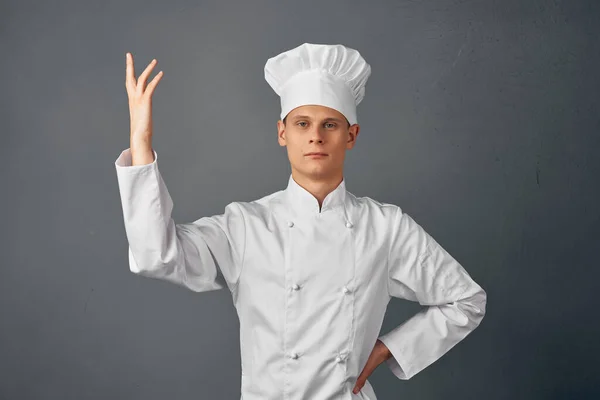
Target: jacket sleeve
203,255
421,270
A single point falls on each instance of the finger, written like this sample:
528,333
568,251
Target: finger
129,72
359,382
357,387
365,373
153,83
141,82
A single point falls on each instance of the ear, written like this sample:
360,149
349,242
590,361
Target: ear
281,133
352,135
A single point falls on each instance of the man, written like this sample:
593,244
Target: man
311,268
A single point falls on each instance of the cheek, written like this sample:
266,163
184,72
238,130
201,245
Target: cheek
339,150
295,153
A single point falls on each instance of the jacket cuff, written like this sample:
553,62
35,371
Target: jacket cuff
396,363
124,161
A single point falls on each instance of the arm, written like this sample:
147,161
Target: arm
421,270
203,255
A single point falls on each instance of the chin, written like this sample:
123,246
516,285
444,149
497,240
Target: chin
316,172
314,168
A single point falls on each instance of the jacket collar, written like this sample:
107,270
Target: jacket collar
303,202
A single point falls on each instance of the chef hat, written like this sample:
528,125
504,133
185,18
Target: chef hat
328,75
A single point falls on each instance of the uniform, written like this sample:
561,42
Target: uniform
310,284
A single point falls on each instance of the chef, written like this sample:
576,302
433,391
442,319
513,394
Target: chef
311,268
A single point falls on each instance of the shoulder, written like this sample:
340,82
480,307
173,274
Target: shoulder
260,206
368,206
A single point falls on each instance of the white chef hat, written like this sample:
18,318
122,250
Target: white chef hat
328,75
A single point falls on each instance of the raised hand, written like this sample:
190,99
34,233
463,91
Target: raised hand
140,110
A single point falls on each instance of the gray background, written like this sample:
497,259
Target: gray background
480,120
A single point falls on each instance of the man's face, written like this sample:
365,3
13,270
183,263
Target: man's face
314,128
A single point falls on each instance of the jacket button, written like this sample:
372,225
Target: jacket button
348,224
290,223
295,286
294,355
345,289
338,359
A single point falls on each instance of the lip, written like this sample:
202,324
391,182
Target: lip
315,154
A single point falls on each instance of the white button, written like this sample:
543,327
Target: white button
348,224
345,289
295,286
338,359
294,355
290,224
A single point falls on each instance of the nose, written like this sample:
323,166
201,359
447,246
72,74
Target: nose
316,135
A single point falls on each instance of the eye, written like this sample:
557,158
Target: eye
330,123
301,122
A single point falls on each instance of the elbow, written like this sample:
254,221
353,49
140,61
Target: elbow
134,266
144,265
473,308
480,300
477,304
483,302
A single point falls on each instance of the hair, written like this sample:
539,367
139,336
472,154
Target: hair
347,122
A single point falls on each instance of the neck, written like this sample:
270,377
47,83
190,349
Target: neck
319,186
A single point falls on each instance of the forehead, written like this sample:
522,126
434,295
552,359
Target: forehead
315,112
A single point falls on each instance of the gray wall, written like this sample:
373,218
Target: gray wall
480,120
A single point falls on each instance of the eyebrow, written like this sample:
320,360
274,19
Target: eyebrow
307,117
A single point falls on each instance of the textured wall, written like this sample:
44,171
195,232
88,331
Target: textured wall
480,119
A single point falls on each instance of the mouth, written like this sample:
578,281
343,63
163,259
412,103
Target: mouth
315,154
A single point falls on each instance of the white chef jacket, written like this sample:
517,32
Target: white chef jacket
310,286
